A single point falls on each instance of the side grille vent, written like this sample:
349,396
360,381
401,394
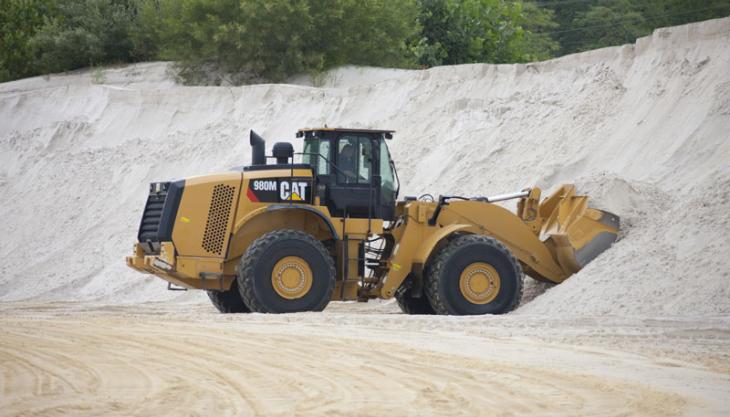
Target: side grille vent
215,228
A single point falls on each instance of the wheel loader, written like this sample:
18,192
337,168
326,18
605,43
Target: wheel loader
292,236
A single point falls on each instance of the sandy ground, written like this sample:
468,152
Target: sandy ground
353,359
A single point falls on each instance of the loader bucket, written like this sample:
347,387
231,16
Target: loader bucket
575,232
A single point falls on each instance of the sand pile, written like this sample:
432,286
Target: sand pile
642,128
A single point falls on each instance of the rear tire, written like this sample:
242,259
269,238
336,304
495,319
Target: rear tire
228,301
472,275
286,271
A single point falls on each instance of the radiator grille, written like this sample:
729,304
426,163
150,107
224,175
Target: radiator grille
215,228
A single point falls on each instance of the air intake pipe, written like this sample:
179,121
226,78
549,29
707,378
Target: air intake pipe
283,151
258,149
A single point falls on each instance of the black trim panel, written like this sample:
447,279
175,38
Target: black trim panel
276,166
169,211
158,217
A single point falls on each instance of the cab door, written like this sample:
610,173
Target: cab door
354,193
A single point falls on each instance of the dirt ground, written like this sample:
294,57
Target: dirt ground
353,359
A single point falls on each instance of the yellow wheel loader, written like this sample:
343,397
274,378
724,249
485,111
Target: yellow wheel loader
285,237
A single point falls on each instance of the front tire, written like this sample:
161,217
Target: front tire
228,301
472,275
286,271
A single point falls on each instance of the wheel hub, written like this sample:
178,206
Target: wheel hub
291,277
479,283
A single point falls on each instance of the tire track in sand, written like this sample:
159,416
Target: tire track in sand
149,365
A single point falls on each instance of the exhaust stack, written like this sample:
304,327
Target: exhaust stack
258,149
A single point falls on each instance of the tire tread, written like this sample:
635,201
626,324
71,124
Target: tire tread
437,265
246,270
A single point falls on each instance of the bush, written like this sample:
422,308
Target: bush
611,23
274,39
466,31
19,21
83,33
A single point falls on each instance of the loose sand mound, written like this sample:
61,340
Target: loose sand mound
642,128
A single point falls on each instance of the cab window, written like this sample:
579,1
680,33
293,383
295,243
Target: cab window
387,182
354,159
316,154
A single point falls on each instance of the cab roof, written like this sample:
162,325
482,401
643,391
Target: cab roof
302,131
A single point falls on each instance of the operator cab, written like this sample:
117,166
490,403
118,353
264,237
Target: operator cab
354,173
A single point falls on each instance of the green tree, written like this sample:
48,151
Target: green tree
465,31
537,44
567,35
144,31
274,39
19,21
593,24
83,33
662,13
610,22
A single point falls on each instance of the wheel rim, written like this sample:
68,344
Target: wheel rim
479,283
291,277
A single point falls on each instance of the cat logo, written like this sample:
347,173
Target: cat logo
293,191
277,190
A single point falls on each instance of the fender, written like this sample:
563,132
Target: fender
246,218
424,250
324,218
276,207
273,217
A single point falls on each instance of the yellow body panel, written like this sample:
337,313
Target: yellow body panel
205,216
187,272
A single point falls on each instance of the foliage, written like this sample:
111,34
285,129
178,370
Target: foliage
144,32
661,13
270,40
536,44
83,33
465,31
273,39
611,22
456,32
593,24
19,21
